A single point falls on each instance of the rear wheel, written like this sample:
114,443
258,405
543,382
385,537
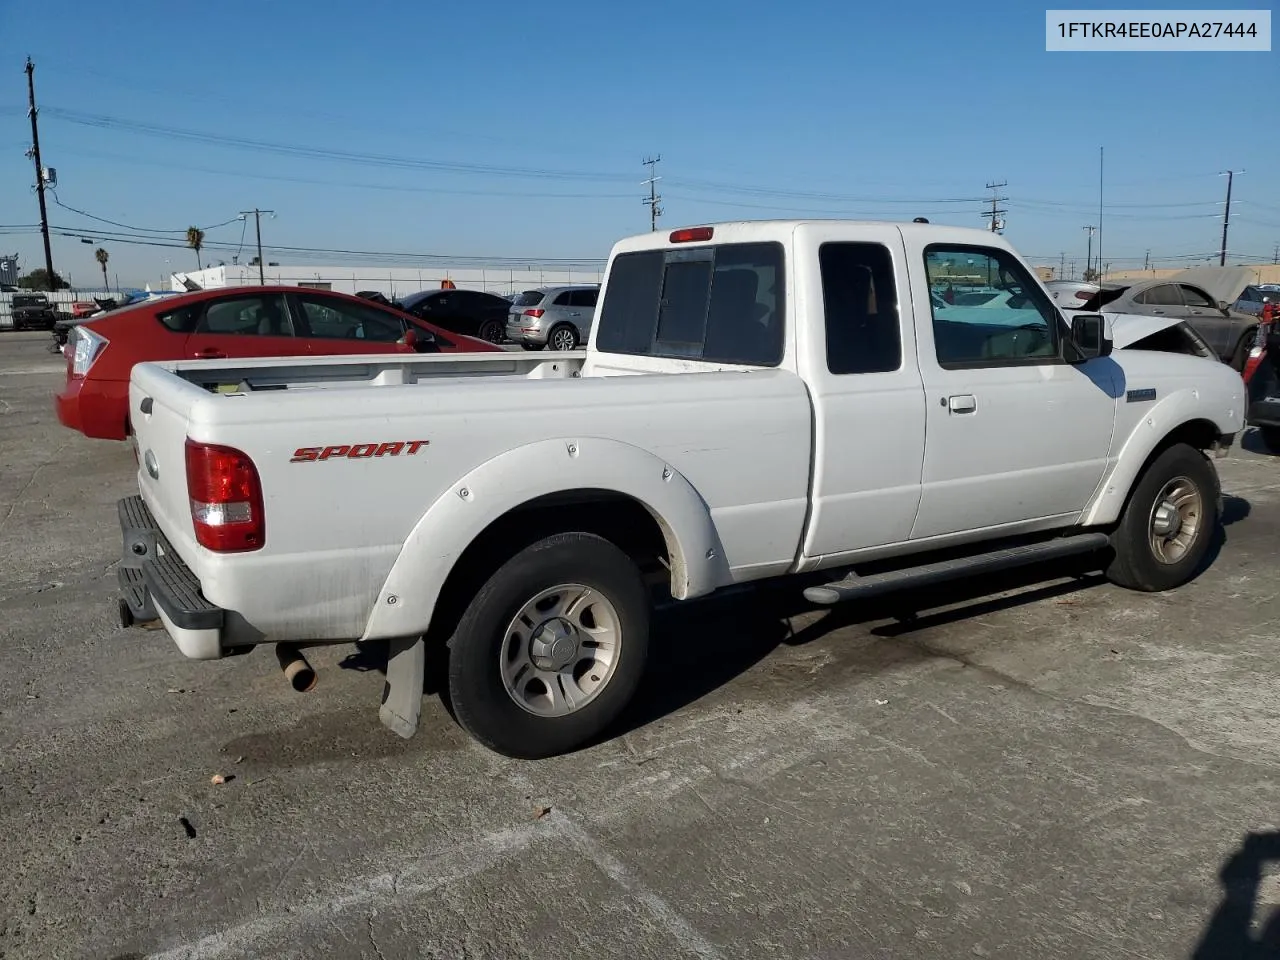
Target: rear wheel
491,330
1168,523
532,346
551,648
1271,438
563,337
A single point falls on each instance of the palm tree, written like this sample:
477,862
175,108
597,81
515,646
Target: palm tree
102,257
195,240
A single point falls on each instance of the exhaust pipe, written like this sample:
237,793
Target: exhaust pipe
296,669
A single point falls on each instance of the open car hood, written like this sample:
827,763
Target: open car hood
1222,283
1128,328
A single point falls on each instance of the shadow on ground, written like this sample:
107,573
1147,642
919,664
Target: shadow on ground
1238,930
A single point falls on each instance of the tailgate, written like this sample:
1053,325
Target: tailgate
159,413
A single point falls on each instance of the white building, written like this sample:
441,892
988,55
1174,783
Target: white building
397,281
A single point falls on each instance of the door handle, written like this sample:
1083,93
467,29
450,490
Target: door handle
963,403
575,314
210,353
1158,313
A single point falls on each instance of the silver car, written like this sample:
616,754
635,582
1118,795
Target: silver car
561,316
1202,296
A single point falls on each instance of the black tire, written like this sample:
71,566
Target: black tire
533,346
476,693
491,330
1135,563
561,328
1271,438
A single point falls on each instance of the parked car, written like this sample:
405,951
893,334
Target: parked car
1071,294
1264,391
1254,298
230,322
468,312
561,316
1201,296
33,311
723,426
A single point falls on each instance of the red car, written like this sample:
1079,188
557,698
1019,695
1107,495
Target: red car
232,322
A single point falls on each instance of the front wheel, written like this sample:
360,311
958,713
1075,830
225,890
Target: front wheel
551,648
1168,523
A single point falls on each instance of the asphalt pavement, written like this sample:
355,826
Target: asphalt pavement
1044,766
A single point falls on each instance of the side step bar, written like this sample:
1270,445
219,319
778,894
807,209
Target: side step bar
854,587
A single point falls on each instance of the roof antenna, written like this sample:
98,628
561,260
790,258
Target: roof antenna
920,220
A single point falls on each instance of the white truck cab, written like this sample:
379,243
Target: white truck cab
757,400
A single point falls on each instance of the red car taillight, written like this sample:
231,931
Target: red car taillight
533,313
226,498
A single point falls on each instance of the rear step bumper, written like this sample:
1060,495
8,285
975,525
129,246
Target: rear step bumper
854,587
156,584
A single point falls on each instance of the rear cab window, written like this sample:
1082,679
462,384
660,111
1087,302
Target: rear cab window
529,298
722,303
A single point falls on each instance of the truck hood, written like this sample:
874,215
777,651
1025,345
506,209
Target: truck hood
1222,283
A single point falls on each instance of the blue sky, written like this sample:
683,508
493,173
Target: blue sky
524,125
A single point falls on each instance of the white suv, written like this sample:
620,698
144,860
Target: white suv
561,316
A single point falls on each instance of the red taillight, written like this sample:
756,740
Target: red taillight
226,498
533,313
691,234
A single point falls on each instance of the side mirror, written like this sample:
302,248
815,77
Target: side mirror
1224,306
1091,336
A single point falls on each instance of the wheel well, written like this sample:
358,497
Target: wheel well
618,518
1201,434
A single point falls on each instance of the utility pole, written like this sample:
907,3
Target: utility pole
1088,257
1100,271
35,155
1275,257
1146,263
257,226
1062,265
1226,217
654,197
996,224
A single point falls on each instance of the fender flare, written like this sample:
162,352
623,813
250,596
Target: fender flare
470,505
1169,414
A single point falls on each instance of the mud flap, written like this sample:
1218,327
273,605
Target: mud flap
402,692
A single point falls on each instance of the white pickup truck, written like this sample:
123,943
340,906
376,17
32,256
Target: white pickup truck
757,400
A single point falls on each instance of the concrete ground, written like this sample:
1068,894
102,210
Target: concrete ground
1058,770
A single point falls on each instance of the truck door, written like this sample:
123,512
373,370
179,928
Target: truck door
1016,437
869,415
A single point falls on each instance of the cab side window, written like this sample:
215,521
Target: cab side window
860,304
987,309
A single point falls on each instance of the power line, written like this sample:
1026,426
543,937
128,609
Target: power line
102,121
127,226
